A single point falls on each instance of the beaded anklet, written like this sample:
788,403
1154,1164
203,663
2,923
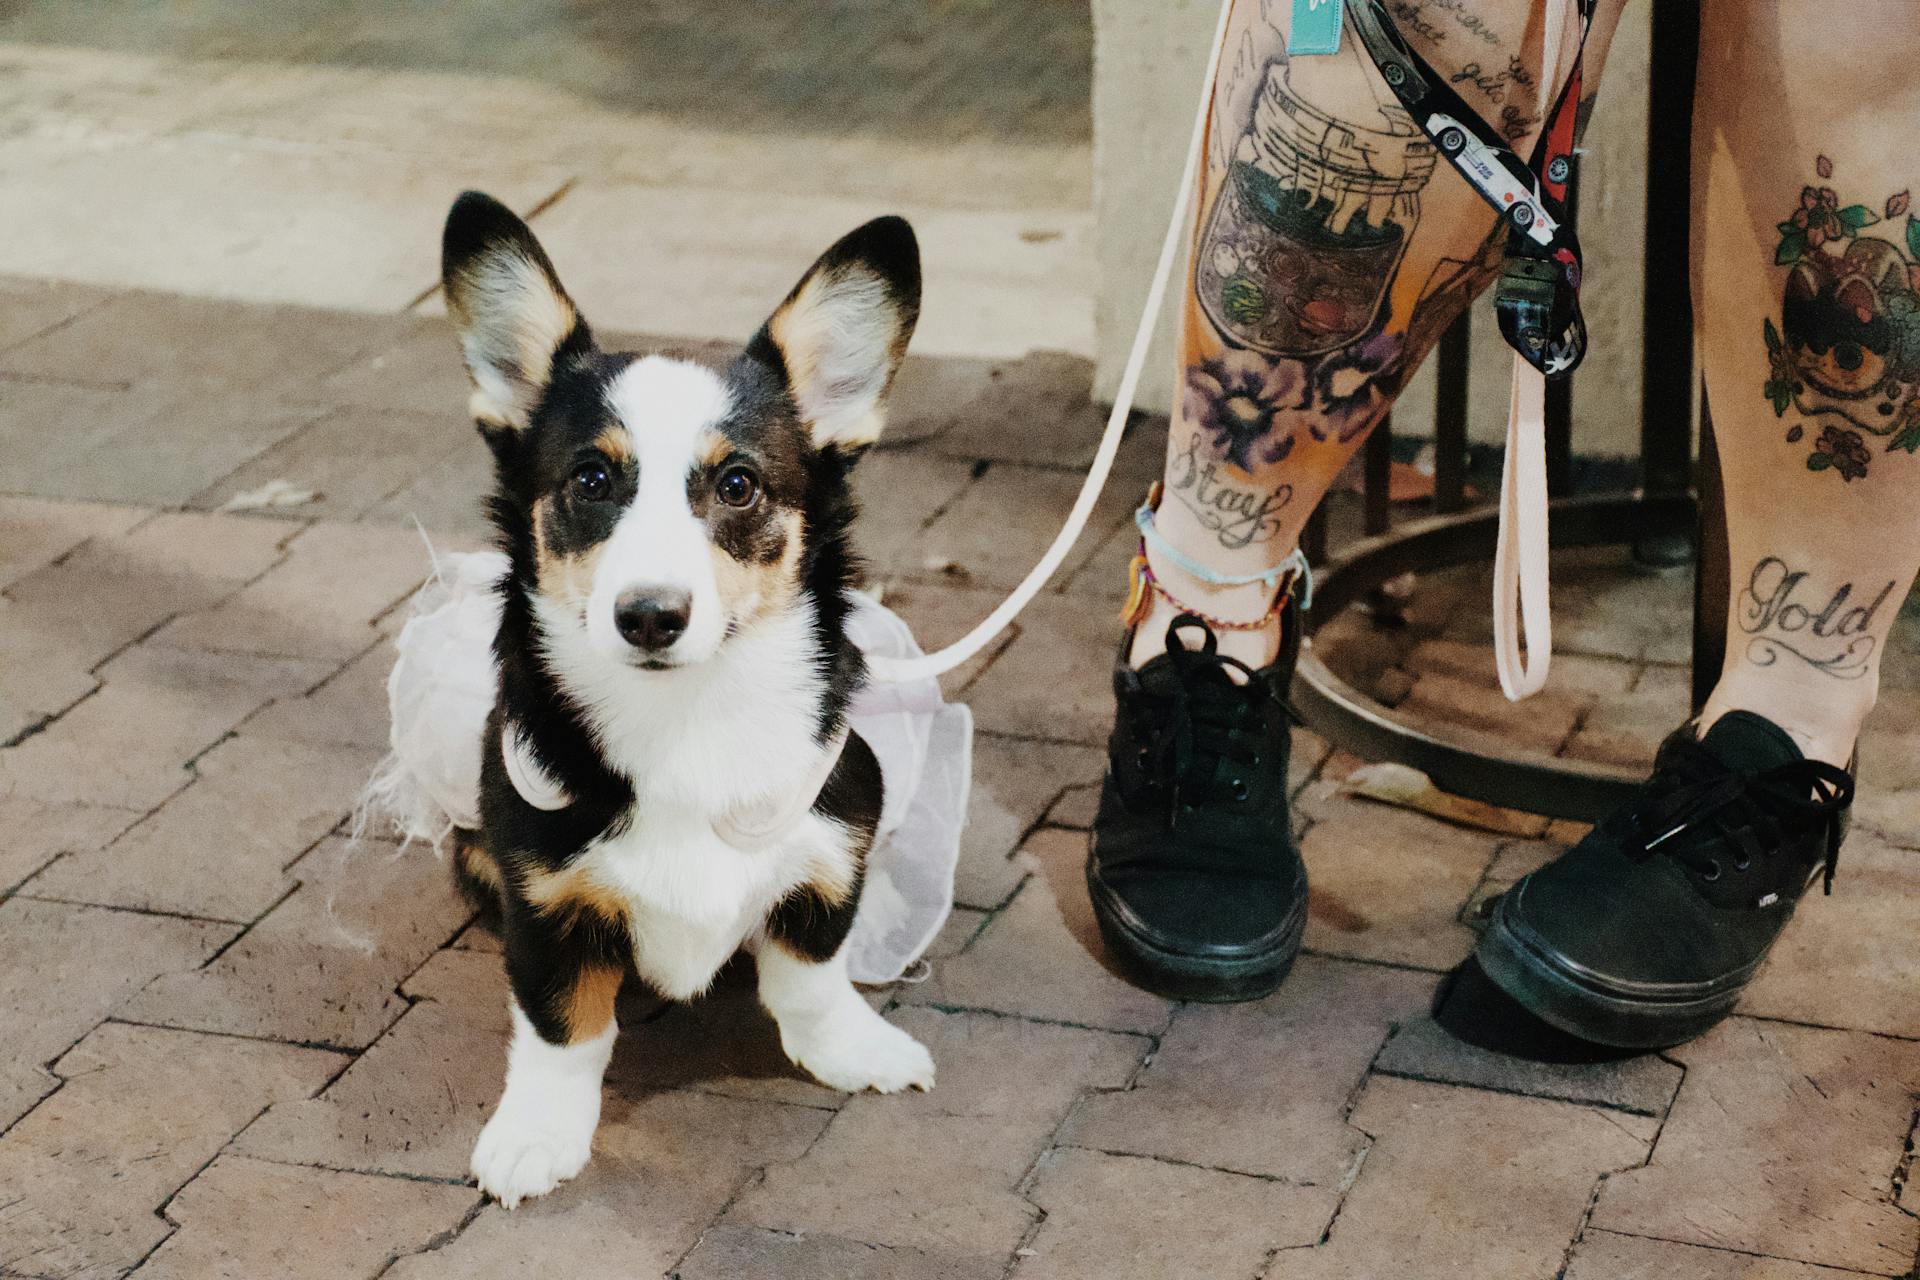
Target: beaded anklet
1290,574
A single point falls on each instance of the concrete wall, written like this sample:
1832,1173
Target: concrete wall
1148,57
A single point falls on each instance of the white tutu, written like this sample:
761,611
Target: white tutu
442,689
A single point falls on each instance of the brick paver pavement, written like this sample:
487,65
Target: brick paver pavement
233,1044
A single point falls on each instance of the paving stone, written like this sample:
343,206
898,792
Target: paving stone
1422,1050
663,1168
928,389
477,937
1041,956
349,460
723,1043
357,570
83,1177
1014,783
1055,680
1893,814
323,966
86,414
420,371
1606,1255
928,1171
222,847
1888,799
247,1217
1261,1088
33,833
175,341
1572,674
1076,808
128,745
116,588
1111,1215
1846,960
447,499
717,260
1388,884
996,530
348,710
1039,409
31,307
34,532
900,493
736,1253
35,689
1469,712
957,934
1625,730
414,1102
1470,1183
66,968
155,444
1783,1141
1616,608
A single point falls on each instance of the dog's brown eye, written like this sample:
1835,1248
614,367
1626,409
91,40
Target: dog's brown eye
591,481
737,487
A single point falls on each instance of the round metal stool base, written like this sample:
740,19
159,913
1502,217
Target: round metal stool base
1459,760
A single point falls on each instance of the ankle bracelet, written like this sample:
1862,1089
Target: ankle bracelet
1291,575
1142,586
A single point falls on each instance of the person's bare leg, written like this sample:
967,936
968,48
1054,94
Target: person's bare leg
1810,332
1331,249
1646,932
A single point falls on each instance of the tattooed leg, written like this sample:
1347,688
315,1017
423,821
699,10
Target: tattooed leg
1330,252
1809,289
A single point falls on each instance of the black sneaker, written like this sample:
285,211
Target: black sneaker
1645,933
1193,872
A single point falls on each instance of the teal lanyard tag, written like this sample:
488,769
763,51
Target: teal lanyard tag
1316,27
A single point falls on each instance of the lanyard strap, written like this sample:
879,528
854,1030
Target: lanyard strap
893,670
1537,302
1538,298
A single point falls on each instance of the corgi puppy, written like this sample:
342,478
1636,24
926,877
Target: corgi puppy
667,773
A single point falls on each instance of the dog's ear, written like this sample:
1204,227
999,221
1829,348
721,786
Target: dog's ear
841,334
515,321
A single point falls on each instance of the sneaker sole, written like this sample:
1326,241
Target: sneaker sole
1561,996
1205,979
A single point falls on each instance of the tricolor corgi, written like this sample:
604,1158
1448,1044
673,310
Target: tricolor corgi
667,774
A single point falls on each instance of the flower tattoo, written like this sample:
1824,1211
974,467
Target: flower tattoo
1344,385
1845,358
1843,451
1236,398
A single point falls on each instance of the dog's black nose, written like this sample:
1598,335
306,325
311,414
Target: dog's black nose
652,619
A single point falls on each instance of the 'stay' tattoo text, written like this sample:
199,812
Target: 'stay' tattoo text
1237,516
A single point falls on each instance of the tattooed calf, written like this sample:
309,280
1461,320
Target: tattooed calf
1836,641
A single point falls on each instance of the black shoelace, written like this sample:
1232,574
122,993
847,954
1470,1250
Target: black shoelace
1206,719
1741,814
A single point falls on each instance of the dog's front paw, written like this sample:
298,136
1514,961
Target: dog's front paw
527,1151
859,1052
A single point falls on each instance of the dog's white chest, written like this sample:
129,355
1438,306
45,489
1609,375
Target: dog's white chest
691,898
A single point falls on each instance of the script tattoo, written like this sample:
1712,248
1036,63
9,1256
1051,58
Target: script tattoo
1833,636
1412,20
1471,23
1238,516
